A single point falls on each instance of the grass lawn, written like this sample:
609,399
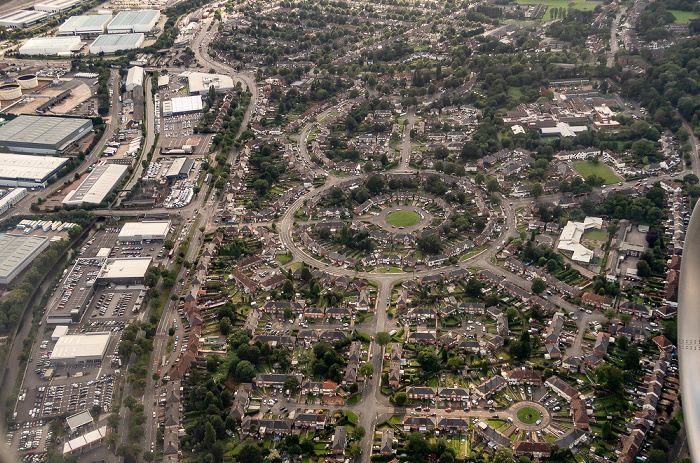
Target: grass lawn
683,17
284,258
403,218
354,399
587,168
600,235
576,4
351,416
528,415
294,266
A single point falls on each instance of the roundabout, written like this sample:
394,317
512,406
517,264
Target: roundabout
527,413
403,218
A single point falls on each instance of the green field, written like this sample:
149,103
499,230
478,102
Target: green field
528,415
683,17
600,235
403,218
587,168
576,4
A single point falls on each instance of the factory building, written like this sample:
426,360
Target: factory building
134,21
124,271
111,43
97,185
42,134
11,198
57,6
92,24
137,232
79,349
22,170
19,19
52,46
17,252
180,168
182,105
134,78
199,83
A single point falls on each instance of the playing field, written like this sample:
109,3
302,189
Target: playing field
683,17
587,168
403,218
576,4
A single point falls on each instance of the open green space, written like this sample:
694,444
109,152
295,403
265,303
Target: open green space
588,168
528,415
683,17
600,235
403,218
575,4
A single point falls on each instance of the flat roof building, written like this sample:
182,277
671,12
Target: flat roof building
22,18
136,232
97,184
134,21
201,82
180,168
74,349
79,420
51,46
129,270
22,170
91,24
13,196
42,134
57,6
111,43
134,78
182,105
69,302
17,252
60,330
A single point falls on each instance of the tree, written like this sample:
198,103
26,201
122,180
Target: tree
537,190
643,269
358,433
447,457
657,456
354,449
250,453
245,372
148,456
622,342
168,244
367,369
429,360
625,318
610,377
400,398
631,358
606,432
382,338
225,326
538,285
288,289
375,184
492,185
503,455
610,314
291,383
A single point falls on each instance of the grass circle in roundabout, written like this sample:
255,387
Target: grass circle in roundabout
528,415
403,218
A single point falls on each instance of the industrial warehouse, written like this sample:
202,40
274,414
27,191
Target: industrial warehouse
41,134
11,197
22,18
57,6
16,252
180,168
182,105
97,185
93,24
199,83
23,170
134,78
87,275
75,349
51,46
134,21
111,43
138,232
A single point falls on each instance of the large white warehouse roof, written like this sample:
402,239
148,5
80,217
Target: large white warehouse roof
18,251
138,231
97,185
110,43
201,82
87,24
90,346
134,21
22,18
26,170
51,46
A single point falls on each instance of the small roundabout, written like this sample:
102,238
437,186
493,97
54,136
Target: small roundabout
529,415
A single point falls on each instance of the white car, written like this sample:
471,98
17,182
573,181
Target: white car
154,414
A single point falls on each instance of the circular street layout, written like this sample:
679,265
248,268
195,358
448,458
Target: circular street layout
403,218
527,413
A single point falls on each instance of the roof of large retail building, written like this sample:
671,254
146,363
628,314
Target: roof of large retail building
138,229
80,345
44,130
130,18
41,45
24,16
97,185
89,20
15,249
185,104
198,82
29,167
129,267
122,40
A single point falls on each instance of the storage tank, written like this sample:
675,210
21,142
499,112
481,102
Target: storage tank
10,92
28,81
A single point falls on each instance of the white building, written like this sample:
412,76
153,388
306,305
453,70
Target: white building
97,185
57,6
182,105
22,18
134,21
12,198
74,349
51,46
18,251
21,170
136,232
134,78
91,24
571,235
111,43
201,82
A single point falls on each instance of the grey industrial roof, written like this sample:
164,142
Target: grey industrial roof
41,130
16,249
90,20
130,18
130,267
97,185
123,40
19,166
80,345
24,15
79,419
